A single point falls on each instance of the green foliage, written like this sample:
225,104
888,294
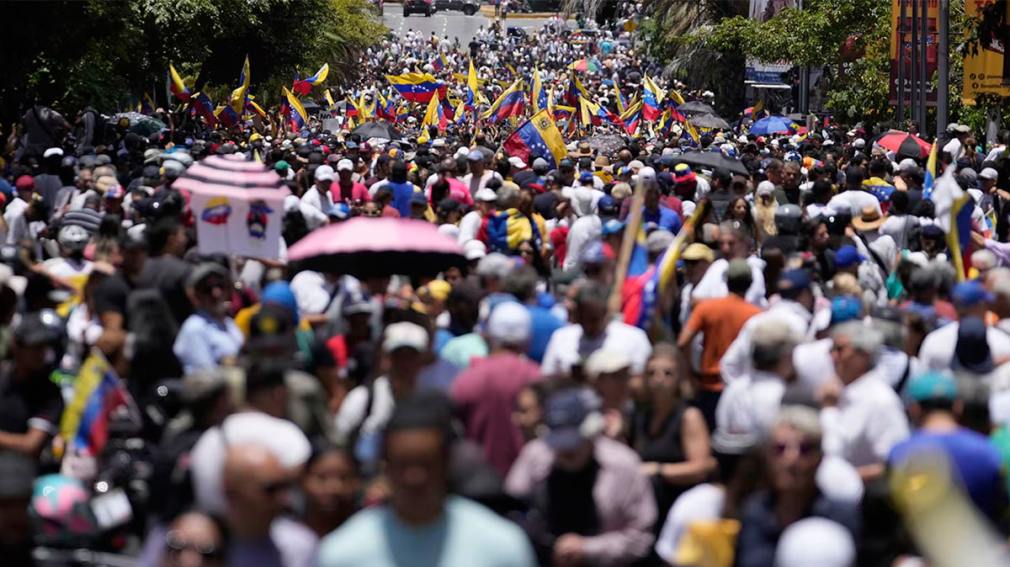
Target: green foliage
107,53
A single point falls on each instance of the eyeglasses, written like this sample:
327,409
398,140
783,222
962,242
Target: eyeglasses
176,545
375,213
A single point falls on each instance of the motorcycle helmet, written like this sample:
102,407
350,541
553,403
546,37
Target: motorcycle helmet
59,507
788,219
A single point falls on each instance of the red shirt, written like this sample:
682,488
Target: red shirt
358,192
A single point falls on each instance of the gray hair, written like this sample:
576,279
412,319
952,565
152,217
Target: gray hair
804,419
864,338
773,339
508,197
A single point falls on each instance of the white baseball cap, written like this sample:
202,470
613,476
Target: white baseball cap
988,173
324,173
52,152
486,195
474,250
405,335
510,324
815,541
606,362
345,165
517,162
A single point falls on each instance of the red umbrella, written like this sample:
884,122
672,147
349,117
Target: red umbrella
378,247
904,144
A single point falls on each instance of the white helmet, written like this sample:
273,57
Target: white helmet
73,238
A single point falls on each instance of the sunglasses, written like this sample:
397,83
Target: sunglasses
277,487
176,545
805,448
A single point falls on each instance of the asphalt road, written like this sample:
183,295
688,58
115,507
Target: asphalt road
453,24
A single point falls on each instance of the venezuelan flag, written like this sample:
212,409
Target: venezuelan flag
415,87
251,106
575,90
299,118
930,176
439,63
147,105
652,98
562,112
97,393
205,108
431,118
632,117
227,116
302,87
953,207
512,102
176,85
237,99
473,95
622,106
506,230
538,96
537,137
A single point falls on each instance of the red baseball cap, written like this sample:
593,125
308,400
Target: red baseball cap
25,182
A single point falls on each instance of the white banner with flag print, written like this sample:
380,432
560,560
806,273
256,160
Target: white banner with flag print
239,222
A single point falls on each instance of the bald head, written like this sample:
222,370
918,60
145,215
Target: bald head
244,462
256,488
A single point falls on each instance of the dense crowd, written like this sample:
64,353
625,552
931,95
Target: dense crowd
821,380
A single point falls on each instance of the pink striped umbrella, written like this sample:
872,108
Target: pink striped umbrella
232,171
378,246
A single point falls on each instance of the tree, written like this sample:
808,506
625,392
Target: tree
106,53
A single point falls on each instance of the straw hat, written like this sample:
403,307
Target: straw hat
869,219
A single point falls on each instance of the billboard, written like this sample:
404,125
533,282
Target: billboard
983,72
905,33
767,72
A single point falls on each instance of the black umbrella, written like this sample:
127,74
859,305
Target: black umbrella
377,129
712,160
709,121
695,107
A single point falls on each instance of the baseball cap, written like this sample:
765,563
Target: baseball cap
698,251
494,264
540,164
39,328
932,385
845,308
486,195
509,323
52,152
606,361
517,162
24,182
988,173
345,165
204,271
739,269
474,249
324,173
612,226
658,240
585,176
572,416
405,335
793,281
848,256
967,294
475,155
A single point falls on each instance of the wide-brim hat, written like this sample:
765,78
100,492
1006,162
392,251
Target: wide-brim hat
869,219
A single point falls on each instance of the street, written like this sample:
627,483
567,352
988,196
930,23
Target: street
454,24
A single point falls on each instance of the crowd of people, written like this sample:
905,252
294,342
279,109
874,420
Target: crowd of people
822,381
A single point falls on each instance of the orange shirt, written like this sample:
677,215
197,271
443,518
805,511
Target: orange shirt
720,320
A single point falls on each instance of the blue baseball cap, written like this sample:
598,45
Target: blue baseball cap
933,385
971,293
279,293
585,176
845,308
607,205
612,226
793,281
569,417
848,256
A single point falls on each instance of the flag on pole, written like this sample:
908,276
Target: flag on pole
302,87
415,87
431,118
930,176
622,106
299,118
237,99
205,108
537,137
512,102
98,391
953,207
176,85
652,98
538,96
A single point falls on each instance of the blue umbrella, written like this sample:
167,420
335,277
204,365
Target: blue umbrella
773,125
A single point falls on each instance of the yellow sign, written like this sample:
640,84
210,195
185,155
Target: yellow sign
983,73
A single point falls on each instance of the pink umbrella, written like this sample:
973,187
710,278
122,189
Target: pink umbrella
228,172
378,247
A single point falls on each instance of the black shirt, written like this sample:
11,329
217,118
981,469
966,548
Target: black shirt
35,403
168,275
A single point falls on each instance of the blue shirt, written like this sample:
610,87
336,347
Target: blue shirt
402,194
543,323
466,534
976,462
203,341
665,217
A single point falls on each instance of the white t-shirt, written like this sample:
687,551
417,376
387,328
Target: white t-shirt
713,283
568,346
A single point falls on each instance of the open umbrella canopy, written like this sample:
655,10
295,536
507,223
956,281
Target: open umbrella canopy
378,247
377,129
228,172
141,123
695,107
709,121
773,125
712,160
585,65
904,144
